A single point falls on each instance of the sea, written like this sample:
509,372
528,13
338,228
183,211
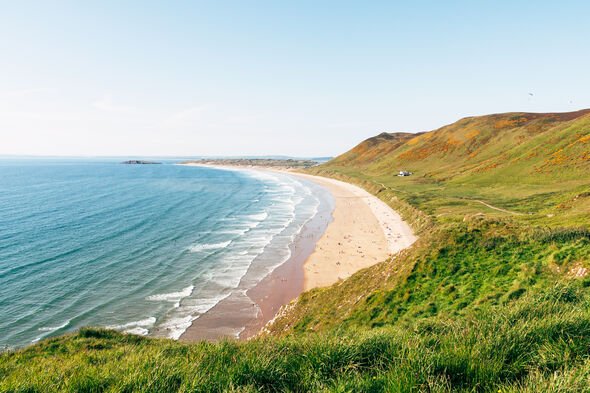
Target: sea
144,249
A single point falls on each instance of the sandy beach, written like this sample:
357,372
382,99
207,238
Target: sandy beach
352,231
364,231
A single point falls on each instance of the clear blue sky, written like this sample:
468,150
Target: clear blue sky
303,78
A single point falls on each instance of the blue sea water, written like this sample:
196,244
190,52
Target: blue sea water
140,248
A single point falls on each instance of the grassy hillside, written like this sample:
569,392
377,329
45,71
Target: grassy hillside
495,296
536,166
539,344
499,216
454,271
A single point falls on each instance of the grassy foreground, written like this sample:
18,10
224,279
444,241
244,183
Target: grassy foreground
540,343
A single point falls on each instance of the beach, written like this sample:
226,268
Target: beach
364,231
352,230
245,312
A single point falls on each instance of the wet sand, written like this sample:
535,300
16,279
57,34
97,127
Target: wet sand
352,231
244,313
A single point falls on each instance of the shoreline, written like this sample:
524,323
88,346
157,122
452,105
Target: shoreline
365,231
356,230
248,308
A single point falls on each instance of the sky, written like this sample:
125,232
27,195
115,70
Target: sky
298,78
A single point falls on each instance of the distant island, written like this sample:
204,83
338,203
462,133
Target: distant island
140,162
256,162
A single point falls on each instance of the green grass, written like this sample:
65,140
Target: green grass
532,164
540,343
452,271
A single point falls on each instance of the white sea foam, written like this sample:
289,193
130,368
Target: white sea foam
182,318
257,233
140,327
53,328
260,175
176,326
140,331
259,216
252,224
174,297
49,329
210,246
232,232
238,332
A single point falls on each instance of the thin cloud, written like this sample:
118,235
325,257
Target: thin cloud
20,93
186,117
106,104
195,112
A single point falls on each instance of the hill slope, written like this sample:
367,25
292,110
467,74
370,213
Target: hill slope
528,164
488,235
531,144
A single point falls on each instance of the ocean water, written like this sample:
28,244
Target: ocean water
144,249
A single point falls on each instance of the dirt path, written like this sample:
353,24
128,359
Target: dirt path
497,208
